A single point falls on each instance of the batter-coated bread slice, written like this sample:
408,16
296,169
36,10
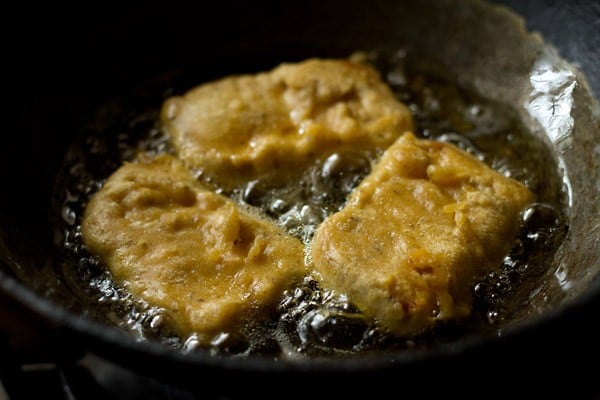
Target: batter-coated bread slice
211,265
275,123
416,232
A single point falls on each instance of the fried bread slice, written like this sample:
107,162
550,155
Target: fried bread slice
416,232
273,124
210,264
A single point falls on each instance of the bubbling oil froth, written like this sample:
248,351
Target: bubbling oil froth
311,321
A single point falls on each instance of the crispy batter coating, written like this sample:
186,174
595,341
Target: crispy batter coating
416,232
275,123
406,247
211,265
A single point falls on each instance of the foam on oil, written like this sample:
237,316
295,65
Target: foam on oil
311,321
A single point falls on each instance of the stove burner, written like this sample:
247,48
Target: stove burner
89,378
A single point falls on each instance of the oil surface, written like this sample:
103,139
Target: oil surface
310,321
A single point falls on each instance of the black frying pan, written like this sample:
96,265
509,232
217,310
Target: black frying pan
69,66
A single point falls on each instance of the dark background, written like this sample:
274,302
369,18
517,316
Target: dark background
46,45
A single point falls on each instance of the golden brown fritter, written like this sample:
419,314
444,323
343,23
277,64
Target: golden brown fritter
405,249
415,233
211,265
275,123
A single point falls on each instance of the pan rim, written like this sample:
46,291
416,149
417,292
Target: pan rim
61,317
